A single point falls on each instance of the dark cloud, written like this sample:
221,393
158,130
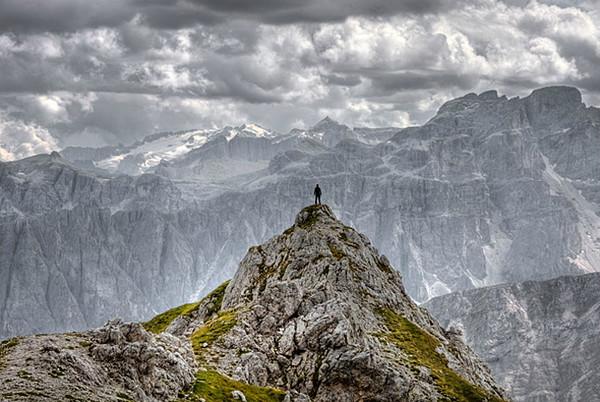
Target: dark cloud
108,71
295,11
346,80
61,15
391,82
73,15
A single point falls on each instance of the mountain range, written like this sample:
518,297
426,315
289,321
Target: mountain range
490,190
488,195
313,314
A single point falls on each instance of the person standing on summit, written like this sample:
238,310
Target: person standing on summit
317,195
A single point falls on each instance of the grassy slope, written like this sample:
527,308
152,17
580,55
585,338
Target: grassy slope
159,323
420,347
213,386
212,330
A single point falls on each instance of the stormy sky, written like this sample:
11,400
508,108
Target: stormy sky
80,72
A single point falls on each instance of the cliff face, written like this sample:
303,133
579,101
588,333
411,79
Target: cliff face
538,338
314,314
491,190
77,248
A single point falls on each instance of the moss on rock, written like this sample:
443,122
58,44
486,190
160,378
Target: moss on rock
213,386
5,346
210,332
214,300
159,323
421,350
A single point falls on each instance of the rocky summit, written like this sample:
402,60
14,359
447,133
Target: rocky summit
314,314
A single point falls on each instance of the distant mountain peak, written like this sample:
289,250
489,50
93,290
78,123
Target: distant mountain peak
255,130
327,122
557,95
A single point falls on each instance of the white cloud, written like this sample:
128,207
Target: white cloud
19,139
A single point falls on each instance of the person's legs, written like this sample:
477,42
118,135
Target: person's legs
316,198
319,198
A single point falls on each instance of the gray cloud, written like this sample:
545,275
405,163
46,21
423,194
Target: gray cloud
392,82
72,15
80,72
60,15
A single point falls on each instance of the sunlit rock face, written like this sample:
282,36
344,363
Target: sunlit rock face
490,190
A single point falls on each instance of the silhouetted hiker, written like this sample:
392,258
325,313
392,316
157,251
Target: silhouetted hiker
317,195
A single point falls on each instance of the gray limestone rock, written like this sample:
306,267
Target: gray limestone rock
540,339
113,363
317,310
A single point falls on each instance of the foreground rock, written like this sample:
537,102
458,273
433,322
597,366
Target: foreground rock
540,339
118,362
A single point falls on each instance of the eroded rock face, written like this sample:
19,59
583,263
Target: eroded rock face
540,339
315,310
113,363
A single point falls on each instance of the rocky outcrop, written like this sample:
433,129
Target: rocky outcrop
538,338
318,312
118,362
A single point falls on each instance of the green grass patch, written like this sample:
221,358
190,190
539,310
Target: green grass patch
420,347
162,321
159,323
122,396
212,386
216,298
210,332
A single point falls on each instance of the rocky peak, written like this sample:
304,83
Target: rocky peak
321,214
326,123
304,256
553,107
557,95
318,312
